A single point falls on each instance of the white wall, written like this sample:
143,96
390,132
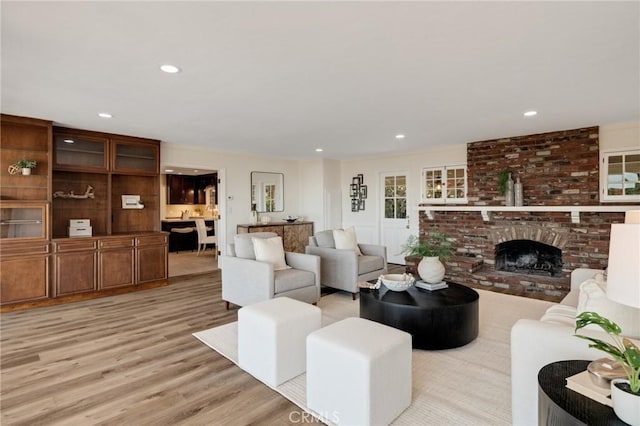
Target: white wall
367,222
620,136
320,193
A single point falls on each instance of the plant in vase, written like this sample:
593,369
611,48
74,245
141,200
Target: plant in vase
428,254
625,394
26,166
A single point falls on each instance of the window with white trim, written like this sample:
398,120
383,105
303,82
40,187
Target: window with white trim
620,176
446,184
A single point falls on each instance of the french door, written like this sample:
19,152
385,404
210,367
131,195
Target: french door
395,219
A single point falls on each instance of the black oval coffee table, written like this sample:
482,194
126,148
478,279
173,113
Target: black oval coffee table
439,319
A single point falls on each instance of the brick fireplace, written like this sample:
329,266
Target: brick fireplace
558,170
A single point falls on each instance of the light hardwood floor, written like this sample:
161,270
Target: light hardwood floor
130,360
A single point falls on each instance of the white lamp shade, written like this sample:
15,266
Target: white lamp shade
623,271
632,216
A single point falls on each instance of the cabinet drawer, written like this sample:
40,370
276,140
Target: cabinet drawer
116,243
74,245
16,248
151,240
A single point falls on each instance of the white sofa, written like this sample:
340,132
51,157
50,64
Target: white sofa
536,343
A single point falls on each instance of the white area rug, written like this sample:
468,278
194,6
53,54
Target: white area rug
463,386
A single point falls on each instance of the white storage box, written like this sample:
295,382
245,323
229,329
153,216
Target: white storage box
84,231
79,223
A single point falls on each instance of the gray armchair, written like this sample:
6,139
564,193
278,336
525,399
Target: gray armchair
342,269
246,280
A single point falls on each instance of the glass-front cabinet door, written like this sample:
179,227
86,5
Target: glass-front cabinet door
80,152
135,157
446,184
19,220
621,178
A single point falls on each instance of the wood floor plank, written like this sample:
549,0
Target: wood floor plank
129,359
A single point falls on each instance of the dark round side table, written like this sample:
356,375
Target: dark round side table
439,319
558,405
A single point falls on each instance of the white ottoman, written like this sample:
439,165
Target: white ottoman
271,338
358,372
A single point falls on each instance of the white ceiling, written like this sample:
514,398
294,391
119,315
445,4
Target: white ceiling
282,78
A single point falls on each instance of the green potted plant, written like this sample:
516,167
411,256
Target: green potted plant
26,165
429,252
625,394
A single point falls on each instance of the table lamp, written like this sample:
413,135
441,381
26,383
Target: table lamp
623,271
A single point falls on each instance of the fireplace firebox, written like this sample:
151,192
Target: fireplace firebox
528,257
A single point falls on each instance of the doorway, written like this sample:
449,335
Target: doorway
395,226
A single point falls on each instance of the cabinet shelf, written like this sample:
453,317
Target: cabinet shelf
21,222
82,151
141,157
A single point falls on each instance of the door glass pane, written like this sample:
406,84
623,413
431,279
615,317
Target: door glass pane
395,202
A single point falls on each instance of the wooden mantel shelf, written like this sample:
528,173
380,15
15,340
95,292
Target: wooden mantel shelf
484,210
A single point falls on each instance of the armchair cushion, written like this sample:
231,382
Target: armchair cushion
270,250
325,239
368,264
292,279
346,240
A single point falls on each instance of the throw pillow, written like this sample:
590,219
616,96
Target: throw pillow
346,239
593,298
270,250
325,239
244,246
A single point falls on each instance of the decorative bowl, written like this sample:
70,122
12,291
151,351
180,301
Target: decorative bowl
290,219
397,282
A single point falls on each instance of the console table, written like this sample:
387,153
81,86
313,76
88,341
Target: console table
295,235
558,405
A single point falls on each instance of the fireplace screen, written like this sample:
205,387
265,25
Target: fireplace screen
528,257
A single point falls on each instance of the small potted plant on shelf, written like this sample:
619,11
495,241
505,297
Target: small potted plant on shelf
625,394
26,166
428,254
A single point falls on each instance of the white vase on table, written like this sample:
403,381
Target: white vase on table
431,270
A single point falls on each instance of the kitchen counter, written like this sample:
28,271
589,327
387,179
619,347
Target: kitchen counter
182,232
191,219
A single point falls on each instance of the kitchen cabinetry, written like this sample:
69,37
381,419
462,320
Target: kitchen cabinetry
75,266
76,150
295,236
116,262
135,156
190,189
24,271
151,258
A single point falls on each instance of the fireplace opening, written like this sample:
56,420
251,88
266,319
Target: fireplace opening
528,257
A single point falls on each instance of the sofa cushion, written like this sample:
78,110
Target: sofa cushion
270,250
345,239
325,239
368,264
292,279
593,298
243,244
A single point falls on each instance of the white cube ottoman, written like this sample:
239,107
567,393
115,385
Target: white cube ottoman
358,372
272,338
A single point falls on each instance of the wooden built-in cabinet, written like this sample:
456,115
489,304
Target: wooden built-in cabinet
295,236
37,258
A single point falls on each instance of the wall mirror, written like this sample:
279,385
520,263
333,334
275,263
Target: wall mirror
267,192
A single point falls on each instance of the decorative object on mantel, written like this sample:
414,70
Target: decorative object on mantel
22,165
518,193
358,193
509,196
87,194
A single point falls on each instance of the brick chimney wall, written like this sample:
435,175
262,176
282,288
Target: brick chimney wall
556,169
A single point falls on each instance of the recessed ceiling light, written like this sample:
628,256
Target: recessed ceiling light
400,136
104,115
171,69
530,113
195,171
319,149
69,140
169,170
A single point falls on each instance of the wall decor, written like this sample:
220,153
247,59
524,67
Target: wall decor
358,193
